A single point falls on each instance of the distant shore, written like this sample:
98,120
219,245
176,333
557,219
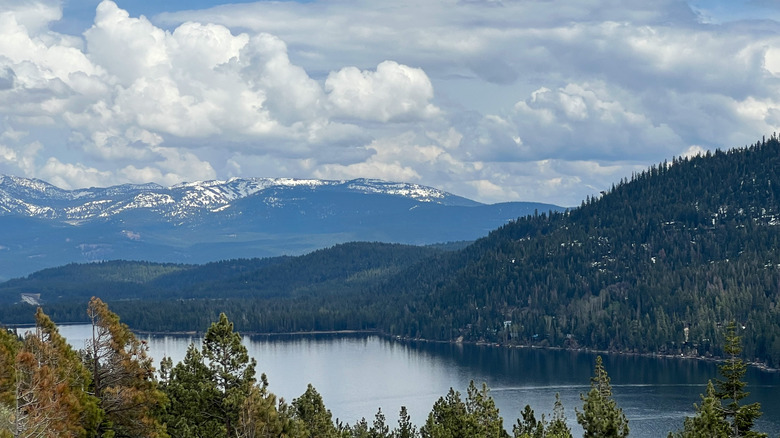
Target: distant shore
404,339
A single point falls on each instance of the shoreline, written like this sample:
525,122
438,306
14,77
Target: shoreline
714,359
396,338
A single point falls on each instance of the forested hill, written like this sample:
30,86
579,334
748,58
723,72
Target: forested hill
685,246
657,264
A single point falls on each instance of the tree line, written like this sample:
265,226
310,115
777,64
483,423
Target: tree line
657,264
110,389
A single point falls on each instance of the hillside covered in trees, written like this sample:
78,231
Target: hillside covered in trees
657,264
111,389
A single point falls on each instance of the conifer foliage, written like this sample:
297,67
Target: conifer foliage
600,416
478,416
109,390
731,388
48,396
528,426
122,377
655,265
734,420
232,369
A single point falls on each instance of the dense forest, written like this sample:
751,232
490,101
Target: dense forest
110,389
657,264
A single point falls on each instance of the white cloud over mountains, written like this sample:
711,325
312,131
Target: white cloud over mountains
497,100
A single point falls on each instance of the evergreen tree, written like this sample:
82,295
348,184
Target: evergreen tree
733,420
406,428
192,394
600,416
43,386
557,428
49,381
212,392
232,369
708,421
9,348
527,426
447,419
310,410
79,414
122,377
484,419
379,428
731,389
477,417
359,430
259,416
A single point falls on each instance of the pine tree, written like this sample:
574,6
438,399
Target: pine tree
70,378
528,426
259,417
708,421
557,428
731,389
478,416
192,393
600,416
9,348
379,428
231,368
43,386
48,384
483,415
447,419
406,428
359,430
310,410
122,377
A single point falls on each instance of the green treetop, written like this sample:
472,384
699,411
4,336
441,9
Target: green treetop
600,416
731,389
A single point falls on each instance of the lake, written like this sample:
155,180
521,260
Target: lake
356,374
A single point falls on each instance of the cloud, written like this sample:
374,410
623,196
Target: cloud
578,121
392,93
139,101
6,78
73,175
498,100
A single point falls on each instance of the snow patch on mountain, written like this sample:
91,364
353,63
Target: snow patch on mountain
36,198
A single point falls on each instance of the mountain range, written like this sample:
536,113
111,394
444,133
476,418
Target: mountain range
45,226
659,263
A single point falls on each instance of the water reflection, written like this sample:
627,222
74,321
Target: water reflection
357,374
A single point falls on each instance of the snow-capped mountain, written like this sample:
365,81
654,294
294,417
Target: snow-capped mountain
36,198
42,225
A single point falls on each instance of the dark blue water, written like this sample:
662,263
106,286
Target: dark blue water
358,374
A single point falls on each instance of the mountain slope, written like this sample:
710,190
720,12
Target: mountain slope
36,198
44,226
658,264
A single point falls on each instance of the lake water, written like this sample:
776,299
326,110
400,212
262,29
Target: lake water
356,374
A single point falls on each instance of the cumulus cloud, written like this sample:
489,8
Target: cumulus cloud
73,175
393,92
136,101
577,121
497,100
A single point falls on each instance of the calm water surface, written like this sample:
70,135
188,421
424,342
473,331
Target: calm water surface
358,374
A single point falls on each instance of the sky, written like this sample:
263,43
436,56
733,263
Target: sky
494,100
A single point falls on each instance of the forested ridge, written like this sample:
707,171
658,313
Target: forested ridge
657,264
111,389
